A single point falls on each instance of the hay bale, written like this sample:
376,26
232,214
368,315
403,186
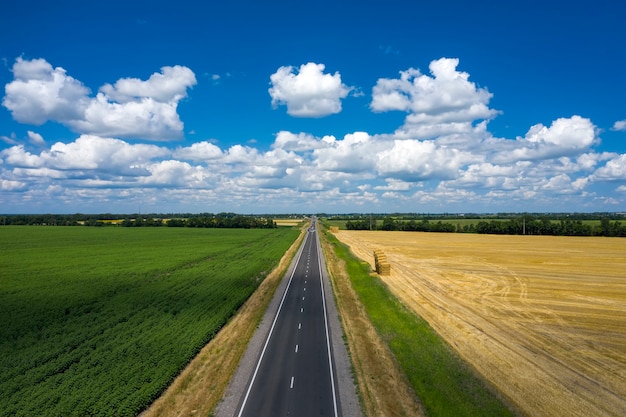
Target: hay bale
383,267
334,229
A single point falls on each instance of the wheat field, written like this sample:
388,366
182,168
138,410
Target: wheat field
288,222
542,318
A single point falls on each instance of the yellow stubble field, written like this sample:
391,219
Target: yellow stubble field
288,222
542,318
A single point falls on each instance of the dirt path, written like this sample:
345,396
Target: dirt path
542,318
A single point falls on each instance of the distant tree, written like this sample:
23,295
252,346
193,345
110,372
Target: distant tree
270,223
442,227
410,226
176,223
605,227
357,225
390,224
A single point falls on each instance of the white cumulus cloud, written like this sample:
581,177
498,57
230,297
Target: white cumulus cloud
417,160
620,125
88,153
130,108
173,173
570,133
299,142
35,138
144,118
564,137
614,169
40,93
199,151
9,185
356,152
169,85
443,157
308,91
445,102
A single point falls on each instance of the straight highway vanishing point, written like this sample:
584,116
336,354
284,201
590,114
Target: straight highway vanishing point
294,373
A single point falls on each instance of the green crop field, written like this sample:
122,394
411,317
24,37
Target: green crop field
98,321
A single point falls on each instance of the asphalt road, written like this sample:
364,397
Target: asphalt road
294,373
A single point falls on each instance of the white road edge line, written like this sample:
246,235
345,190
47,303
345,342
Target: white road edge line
258,365
292,378
330,358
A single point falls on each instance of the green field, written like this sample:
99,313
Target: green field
98,321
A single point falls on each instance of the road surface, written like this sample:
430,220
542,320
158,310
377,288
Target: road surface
294,374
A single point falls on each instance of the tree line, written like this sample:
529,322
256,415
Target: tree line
201,220
525,225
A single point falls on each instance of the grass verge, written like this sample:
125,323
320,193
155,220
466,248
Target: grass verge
444,383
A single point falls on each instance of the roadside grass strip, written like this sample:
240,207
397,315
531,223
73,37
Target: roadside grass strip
445,384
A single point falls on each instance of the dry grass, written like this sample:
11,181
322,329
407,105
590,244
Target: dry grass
198,389
383,389
541,318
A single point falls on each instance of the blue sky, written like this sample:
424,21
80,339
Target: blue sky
283,106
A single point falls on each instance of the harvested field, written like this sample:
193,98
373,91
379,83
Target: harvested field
542,318
289,222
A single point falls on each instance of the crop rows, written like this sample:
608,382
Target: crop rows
99,321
